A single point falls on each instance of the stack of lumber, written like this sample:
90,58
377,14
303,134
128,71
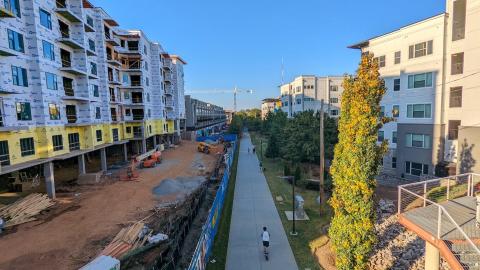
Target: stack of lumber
127,239
25,210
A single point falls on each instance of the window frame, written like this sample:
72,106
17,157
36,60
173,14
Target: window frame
27,142
19,79
15,41
397,84
98,135
74,141
51,50
25,110
455,99
52,107
409,166
57,142
426,140
424,111
412,80
53,85
48,18
397,56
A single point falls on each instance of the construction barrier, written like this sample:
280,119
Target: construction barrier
225,137
205,243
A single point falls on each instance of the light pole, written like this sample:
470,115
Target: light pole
261,150
292,179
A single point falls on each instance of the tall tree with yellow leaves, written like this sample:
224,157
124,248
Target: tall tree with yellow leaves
355,165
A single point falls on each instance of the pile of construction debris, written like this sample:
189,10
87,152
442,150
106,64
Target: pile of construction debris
131,238
25,210
181,187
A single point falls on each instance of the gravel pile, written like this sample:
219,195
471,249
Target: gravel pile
181,186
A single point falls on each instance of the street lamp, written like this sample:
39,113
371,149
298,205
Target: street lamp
292,178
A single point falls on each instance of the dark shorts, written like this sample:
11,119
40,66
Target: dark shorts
266,243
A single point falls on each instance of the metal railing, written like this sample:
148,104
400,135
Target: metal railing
61,4
434,193
66,63
69,91
71,118
137,100
65,33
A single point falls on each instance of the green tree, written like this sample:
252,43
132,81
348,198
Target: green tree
236,125
356,163
272,150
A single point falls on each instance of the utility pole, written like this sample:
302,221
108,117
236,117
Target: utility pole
235,99
322,160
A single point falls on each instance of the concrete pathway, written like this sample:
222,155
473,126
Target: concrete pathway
253,208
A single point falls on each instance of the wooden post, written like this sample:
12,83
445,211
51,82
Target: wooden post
322,161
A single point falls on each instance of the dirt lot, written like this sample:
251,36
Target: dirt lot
83,223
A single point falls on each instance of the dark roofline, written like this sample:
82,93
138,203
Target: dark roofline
365,43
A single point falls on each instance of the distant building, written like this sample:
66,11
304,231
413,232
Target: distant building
203,117
306,92
270,105
229,114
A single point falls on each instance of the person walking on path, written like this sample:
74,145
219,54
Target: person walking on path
265,240
253,150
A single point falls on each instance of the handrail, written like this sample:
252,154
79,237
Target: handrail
442,209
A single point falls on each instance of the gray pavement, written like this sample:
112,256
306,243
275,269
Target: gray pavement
253,208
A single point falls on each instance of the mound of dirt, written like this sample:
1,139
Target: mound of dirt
180,186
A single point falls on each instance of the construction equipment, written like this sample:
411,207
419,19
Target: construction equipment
131,174
203,147
152,160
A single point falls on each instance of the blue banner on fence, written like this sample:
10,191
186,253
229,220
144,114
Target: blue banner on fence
225,137
204,246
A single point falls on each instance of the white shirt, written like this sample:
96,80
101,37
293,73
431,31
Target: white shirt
265,236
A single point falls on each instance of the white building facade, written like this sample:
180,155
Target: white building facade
306,92
430,74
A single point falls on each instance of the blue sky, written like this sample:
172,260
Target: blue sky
242,42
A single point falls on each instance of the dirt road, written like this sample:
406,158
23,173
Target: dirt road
92,219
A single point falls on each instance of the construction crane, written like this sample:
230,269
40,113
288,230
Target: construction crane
235,91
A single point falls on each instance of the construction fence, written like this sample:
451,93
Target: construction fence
224,137
205,243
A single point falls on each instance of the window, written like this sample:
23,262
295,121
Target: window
19,76
396,111
126,95
381,136
420,49
48,50
453,129
91,45
418,140
299,101
127,112
57,142
98,133
382,111
128,130
51,80
73,141
394,137
45,19
380,60
396,84
145,49
24,112
416,169
93,68
150,129
115,134
148,97
4,153
333,100
15,41
457,63
420,80
147,82
398,56
394,162
95,90
90,21
456,97
459,15
334,88
419,111
54,111
146,66
13,6
27,147
98,115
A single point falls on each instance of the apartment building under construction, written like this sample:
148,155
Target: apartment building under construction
73,82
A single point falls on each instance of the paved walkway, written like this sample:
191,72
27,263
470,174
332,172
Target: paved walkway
253,208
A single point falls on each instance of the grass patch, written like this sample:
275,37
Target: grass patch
220,245
310,233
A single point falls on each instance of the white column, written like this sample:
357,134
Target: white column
103,159
125,152
81,164
49,179
144,145
432,257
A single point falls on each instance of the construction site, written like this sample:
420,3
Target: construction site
148,212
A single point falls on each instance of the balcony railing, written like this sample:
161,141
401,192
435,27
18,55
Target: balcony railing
138,117
444,208
137,134
74,146
114,118
69,91
71,118
66,63
136,83
137,100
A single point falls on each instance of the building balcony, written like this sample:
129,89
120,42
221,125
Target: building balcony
114,80
137,100
63,9
5,51
133,85
67,40
112,40
167,64
72,118
132,66
89,28
167,77
68,67
169,104
129,51
70,95
171,115
168,90
5,12
113,61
